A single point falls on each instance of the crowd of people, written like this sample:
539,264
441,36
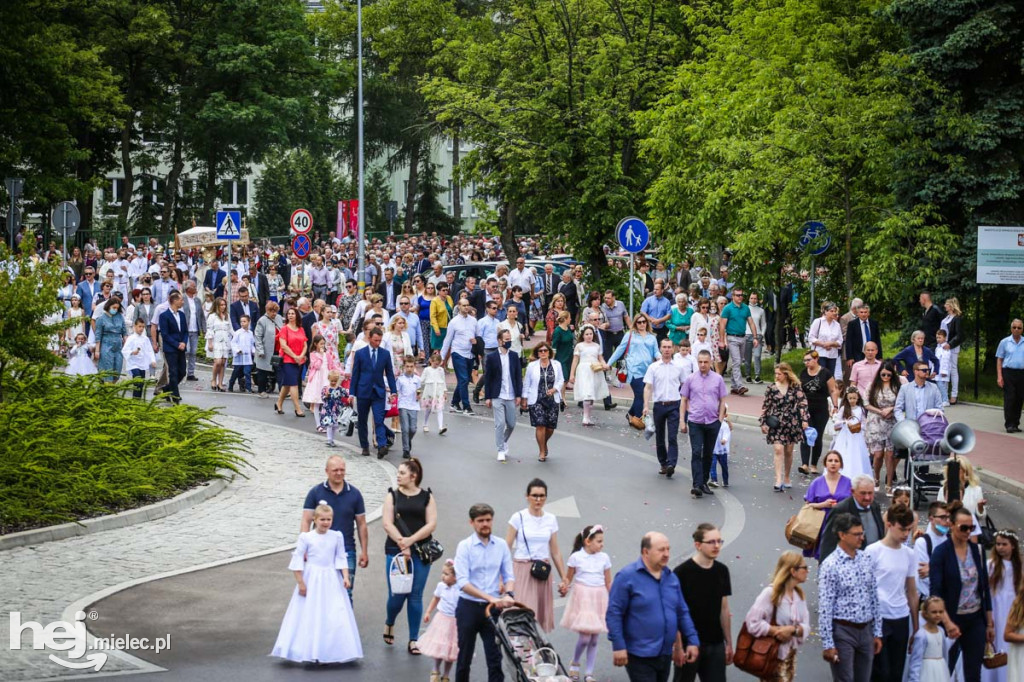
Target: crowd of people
301,331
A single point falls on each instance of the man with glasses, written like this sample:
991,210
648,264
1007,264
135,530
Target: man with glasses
706,588
162,287
734,323
487,341
412,322
918,396
1010,375
88,289
934,535
861,504
849,618
458,346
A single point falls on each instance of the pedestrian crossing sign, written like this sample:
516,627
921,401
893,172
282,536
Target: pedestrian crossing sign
229,224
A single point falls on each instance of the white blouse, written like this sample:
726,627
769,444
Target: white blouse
537,530
823,330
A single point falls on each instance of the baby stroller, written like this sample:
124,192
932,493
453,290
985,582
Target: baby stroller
929,440
528,656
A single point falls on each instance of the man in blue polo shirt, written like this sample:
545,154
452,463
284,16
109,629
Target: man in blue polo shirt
658,307
1010,375
648,621
349,512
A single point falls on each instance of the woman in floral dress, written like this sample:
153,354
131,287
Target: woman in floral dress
880,404
330,328
784,416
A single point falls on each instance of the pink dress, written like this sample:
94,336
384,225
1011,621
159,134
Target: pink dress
320,364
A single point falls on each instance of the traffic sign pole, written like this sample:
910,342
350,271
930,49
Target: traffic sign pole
633,235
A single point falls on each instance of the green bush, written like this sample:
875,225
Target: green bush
74,447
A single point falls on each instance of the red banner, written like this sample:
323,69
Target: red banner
348,218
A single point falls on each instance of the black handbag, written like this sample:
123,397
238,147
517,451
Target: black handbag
987,539
539,570
427,551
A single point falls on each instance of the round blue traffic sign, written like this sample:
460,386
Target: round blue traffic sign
301,245
814,238
633,234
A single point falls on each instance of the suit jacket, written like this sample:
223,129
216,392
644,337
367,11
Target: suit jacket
572,299
262,292
492,375
171,333
682,279
931,320
367,378
236,311
944,576
214,282
396,292
200,313
906,406
829,540
550,285
88,293
854,343
477,299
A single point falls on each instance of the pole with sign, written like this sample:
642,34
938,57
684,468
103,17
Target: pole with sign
815,240
634,236
66,218
229,227
301,221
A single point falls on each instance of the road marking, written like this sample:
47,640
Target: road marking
565,507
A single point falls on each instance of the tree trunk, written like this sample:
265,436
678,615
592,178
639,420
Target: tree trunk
456,188
210,193
780,324
507,230
848,251
410,195
171,186
128,185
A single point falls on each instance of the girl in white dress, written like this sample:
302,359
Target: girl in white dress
1013,633
929,655
80,357
586,378
849,435
319,625
590,575
441,640
1004,579
432,395
75,312
218,342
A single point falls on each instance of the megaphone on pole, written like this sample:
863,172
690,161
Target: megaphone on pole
958,439
907,436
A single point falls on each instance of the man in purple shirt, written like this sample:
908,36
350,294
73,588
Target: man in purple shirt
703,403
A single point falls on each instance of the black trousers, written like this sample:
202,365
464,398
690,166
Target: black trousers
471,621
648,669
709,666
666,428
819,420
1013,396
175,370
889,663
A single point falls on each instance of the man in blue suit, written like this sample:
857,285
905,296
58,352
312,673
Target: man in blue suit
244,307
369,368
503,384
174,332
88,288
213,282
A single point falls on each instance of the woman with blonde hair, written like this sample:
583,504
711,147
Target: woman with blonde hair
971,495
784,416
780,611
218,341
551,320
954,337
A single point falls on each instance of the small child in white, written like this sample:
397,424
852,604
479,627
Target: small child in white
319,625
408,403
441,640
944,356
139,357
684,360
432,397
720,455
80,357
590,575
243,348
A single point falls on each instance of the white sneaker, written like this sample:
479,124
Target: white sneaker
426,429
501,455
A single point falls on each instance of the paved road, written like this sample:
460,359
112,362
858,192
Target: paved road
224,620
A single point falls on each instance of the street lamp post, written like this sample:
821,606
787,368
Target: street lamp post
359,133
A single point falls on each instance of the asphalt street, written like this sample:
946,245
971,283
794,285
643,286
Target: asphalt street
224,620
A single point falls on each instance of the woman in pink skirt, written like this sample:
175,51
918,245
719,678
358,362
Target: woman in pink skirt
441,640
534,533
590,574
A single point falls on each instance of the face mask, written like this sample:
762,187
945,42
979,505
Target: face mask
941,530
507,345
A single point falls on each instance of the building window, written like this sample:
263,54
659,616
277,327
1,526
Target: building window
116,187
234,192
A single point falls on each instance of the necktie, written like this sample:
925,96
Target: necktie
373,357
867,332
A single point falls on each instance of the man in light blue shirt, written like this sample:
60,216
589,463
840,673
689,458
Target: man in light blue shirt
458,345
482,564
487,333
658,307
1010,375
919,396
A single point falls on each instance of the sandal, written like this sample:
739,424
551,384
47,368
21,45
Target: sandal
589,678
413,649
389,634
574,672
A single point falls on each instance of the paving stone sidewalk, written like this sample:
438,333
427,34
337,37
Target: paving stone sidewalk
252,514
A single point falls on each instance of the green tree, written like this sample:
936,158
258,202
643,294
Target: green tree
430,215
297,179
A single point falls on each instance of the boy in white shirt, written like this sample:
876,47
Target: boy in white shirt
408,404
943,355
243,348
138,356
684,360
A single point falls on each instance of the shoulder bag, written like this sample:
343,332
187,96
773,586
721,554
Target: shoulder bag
427,551
987,539
758,656
539,570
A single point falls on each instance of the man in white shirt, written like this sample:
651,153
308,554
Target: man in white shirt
521,276
196,320
662,384
458,345
438,275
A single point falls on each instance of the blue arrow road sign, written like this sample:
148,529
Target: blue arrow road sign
301,245
229,224
815,237
633,234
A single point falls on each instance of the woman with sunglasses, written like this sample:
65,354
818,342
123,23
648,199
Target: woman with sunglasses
881,419
780,611
542,389
958,574
640,349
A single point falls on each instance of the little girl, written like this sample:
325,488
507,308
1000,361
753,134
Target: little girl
441,640
319,625
720,455
432,395
849,435
592,570
320,365
80,357
1014,636
332,398
927,661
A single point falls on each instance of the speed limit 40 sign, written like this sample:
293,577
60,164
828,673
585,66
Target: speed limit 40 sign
302,221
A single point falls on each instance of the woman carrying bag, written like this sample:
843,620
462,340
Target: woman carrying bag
534,535
779,612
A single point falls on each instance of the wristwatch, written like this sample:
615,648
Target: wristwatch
510,594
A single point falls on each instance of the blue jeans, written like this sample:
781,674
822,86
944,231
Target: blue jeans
648,669
702,446
420,573
723,460
461,394
139,375
351,556
637,408
407,418
243,375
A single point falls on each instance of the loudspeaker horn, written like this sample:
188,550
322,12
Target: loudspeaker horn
907,435
958,439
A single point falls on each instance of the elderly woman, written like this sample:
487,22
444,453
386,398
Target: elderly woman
679,319
266,339
542,390
826,336
110,333
533,533
784,417
780,611
916,352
